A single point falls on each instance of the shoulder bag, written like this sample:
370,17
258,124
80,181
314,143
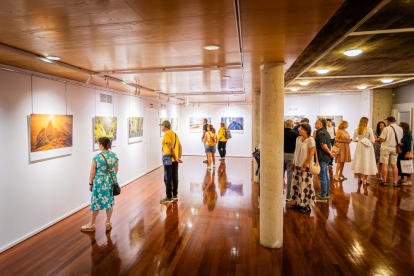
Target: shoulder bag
398,147
116,189
167,158
365,142
315,168
256,156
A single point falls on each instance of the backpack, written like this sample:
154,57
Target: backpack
213,139
228,134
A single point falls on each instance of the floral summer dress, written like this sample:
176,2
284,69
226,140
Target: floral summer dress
102,195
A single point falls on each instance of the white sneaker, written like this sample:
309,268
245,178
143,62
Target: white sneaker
208,168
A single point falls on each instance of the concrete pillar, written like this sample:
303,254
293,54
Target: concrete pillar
381,105
255,129
271,154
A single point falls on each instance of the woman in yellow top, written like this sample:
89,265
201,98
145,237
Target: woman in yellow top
222,141
210,141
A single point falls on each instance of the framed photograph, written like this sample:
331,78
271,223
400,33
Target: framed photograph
104,127
234,124
294,118
135,129
196,123
50,136
162,120
174,124
336,119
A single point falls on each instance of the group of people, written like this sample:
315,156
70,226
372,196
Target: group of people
211,139
390,144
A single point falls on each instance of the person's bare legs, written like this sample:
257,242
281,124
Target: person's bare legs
338,166
109,215
93,217
341,170
384,172
394,173
213,157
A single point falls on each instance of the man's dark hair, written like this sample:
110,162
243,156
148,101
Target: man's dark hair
329,120
304,120
205,120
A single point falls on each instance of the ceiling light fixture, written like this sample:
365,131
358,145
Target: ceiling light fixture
323,71
294,89
158,97
106,83
362,87
353,52
89,79
44,59
387,80
226,77
304,83
211,47
53,58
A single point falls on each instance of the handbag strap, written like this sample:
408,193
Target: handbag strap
316,154
113,180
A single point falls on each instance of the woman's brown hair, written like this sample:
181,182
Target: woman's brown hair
342,124
105,142
405,126
307,128
212,129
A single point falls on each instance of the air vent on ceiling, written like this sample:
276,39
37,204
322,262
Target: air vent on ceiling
105,98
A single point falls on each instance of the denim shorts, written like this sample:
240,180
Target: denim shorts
210,149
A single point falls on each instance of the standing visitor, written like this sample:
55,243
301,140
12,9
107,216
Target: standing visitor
222,143
323,150
172,150
364,164
332,132
302,184
296,128
390,137
377,147
289,149
342,141
406,149
210,141
205,124
101,182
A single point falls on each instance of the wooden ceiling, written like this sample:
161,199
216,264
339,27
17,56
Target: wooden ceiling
117,35
387,39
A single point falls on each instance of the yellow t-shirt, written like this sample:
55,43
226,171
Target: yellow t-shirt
222,135
209,135
169,137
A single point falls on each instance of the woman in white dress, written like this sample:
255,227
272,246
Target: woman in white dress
302,190
364,164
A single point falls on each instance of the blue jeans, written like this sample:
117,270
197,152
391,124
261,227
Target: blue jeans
324,179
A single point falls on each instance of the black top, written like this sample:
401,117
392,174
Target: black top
205,127
296,129
323,138
290,140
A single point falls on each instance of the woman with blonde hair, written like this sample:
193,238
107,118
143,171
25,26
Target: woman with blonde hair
364,163
222,141
342,140
210,141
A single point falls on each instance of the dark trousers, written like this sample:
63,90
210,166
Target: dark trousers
222,149
332,144
171,179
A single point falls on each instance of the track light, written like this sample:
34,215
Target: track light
106,83
158,97
89,79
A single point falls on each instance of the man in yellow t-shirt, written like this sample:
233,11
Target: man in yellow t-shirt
171,146
222,142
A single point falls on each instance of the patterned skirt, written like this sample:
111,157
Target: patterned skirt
302,188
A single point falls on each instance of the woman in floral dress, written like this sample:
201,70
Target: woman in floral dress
101,184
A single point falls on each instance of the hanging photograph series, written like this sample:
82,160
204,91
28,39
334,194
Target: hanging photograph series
104,127
135,129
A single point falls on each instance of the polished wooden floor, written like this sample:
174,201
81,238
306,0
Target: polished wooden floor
213,230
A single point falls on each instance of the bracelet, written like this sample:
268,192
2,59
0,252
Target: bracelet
90,184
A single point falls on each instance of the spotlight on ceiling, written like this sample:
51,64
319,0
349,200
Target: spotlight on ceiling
226,77
323,71
53,58
294,89
353,52
89,79
362,87
387,80
211,47
304,83
158,97
106,83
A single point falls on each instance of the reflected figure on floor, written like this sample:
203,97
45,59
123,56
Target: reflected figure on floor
102,264
171,223
222,179
210,193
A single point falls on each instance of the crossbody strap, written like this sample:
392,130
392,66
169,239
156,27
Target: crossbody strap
396,139
113,180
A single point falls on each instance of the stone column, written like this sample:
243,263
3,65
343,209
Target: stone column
255,130
271,154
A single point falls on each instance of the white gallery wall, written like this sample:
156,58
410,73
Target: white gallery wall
36,195
240,143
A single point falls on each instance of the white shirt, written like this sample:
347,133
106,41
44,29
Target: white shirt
331,131
368,133
302,150
388,135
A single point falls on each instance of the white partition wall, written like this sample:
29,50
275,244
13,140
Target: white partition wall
36,195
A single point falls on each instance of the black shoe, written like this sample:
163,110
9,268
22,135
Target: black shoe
294,206
305,210
383,184
175,198
205,161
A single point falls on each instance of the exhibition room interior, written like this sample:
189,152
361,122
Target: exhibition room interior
74,71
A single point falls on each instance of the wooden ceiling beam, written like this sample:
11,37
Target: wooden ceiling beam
356,76
389,31
170,70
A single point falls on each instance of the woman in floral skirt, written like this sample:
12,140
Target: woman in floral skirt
101,184
302,190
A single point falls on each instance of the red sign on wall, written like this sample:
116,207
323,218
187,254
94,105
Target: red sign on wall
151,105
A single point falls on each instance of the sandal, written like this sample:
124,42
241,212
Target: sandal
88,228
294,206
397,184
305,210
336,178
343,177
383,184
108,226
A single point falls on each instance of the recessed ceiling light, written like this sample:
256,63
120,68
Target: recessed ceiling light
211,47
123,82
304,83
294,89
362,87
323,71
53,57
387,80
44,59
226,77
353,52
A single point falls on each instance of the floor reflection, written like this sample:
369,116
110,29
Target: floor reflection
209,190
